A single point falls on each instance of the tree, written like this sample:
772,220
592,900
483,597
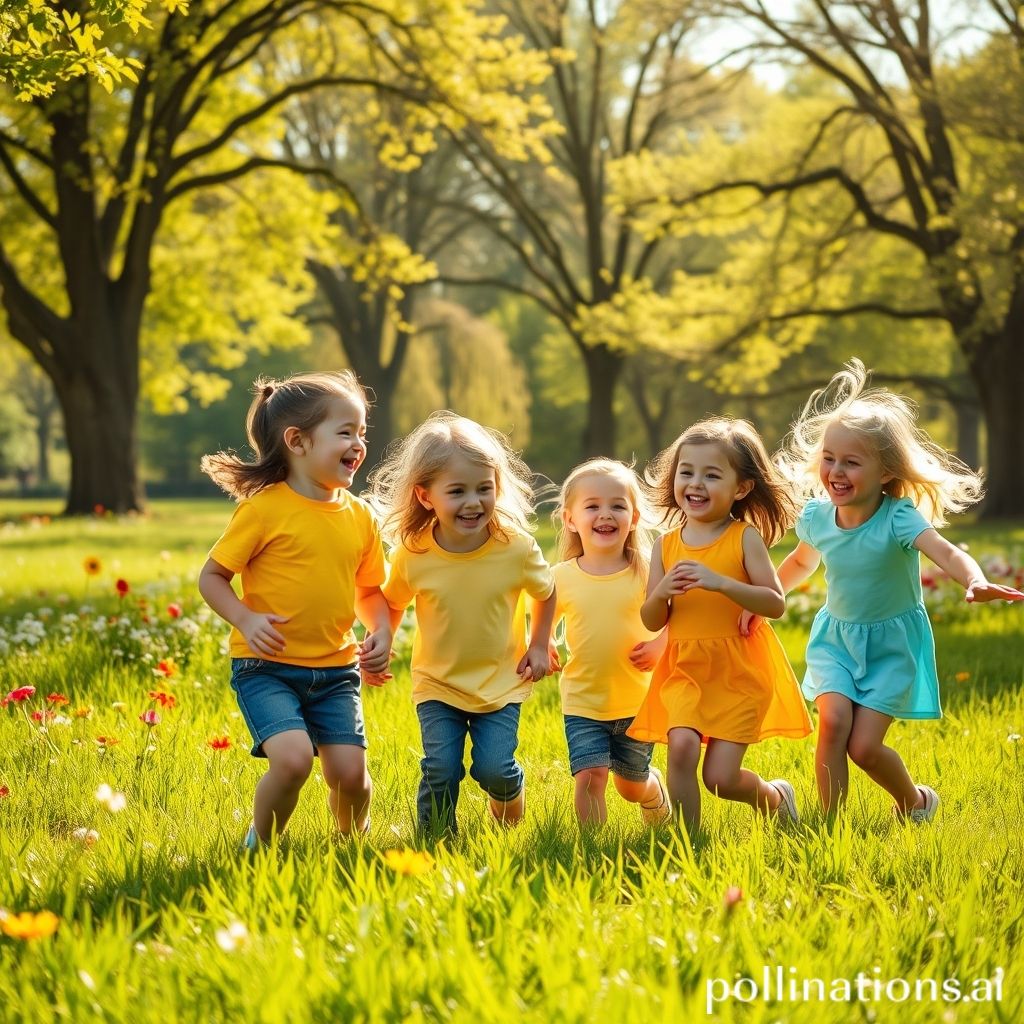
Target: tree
944,187
96,177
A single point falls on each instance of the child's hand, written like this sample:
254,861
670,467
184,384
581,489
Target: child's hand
672,584
554,660
697,575
982,590
534,664
748,622
260,635
373,678
645,655
375,655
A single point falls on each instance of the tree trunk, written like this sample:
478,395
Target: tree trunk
998,372
43,425
968,426
603,367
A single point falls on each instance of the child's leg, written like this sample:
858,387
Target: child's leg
591,784
589,743
880,762
635,779
443,730
831,770
683,790
725,777
495,736
348,782
291,760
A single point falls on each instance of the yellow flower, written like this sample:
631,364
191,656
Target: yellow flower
27,925
408,862
92,566
962,677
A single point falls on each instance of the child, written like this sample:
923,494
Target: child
713,684
871,655
311,561
600,581
457,503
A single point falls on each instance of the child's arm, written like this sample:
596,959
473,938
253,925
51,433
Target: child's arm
645,655
375,614
662,586
797,566
762,595
535,664
964,569
256,627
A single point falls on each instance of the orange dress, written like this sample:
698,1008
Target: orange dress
710,678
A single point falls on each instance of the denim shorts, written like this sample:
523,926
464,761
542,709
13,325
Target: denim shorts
275,697
595,744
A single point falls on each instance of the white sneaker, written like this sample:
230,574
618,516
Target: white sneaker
786,811
920,815
662,811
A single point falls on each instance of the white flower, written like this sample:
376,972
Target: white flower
1014,737
86,836
230,938
113,801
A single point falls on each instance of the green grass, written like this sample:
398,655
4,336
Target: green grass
536,924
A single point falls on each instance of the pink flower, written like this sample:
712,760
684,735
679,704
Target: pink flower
733,897
22,693
150,717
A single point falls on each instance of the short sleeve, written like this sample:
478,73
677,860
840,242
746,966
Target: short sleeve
371,569
241,541
537,579
907,523
397,591
805,524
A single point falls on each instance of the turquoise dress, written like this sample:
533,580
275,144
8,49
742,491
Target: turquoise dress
872,641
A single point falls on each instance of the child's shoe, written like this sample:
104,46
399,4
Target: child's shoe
251,842
786,811
661,811
921,815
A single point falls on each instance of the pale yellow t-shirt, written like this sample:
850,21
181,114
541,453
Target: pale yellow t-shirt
470,617
602,625
303,559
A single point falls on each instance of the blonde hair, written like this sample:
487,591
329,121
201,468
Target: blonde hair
770,506
935,480
637,548
420,457
303,401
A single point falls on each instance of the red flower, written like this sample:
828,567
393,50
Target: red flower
150,717
122,587
166,668
107,741
164,699
22,693
174,610
219,742
58,699
98,509
4,792
42,716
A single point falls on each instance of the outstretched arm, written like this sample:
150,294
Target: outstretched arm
964,569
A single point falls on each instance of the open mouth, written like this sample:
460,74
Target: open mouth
696,501
470,520
350,464
606,530
840,489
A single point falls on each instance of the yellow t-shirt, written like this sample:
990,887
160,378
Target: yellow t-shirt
303,559
602,625
471,618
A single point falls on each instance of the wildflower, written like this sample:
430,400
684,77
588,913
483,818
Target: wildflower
4,792
85,711
408,862
92,566
962,677
174,610
61,719
58,699
733,897
230,938
164,699
110,799
166,668
119,705
150,718
122,587
42,716
85,836
22,693
107,741
98,510
27,925
219,742
1014,737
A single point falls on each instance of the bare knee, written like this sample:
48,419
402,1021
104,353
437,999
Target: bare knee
864,753
683,751
292,766
593,780
721,779
834,725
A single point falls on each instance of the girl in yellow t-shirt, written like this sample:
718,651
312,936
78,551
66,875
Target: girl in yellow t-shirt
600,581
718,683
311,561
457,503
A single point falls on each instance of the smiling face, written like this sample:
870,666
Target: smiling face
328,457
706,486
602,513
462,496
851,470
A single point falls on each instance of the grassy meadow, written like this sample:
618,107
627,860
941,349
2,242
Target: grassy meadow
159,918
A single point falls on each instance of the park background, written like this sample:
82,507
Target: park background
585,224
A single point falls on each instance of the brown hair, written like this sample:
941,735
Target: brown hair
303,401
770,506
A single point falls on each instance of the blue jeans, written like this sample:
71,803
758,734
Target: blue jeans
493,764
598,744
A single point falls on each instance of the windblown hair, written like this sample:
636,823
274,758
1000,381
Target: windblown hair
303,401
420,457
770,507
935,480
637,549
